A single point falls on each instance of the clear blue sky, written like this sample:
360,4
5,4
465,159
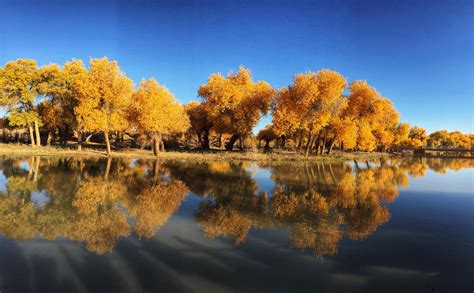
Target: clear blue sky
420,54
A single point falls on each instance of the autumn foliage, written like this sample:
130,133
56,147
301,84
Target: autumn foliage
318,112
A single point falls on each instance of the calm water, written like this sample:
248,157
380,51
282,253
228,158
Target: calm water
78,225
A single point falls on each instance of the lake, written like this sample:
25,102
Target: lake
114,225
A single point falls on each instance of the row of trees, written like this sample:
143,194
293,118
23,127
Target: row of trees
414,137
418,137
76,100
313,114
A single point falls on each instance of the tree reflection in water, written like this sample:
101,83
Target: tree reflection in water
90,201
96,201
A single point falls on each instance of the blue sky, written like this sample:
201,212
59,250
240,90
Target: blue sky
420,54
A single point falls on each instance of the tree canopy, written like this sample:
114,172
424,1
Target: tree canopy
318,112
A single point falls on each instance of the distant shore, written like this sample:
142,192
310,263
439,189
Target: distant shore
192,155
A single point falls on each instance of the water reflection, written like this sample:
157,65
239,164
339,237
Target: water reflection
95,202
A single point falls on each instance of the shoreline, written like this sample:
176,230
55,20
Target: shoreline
193,155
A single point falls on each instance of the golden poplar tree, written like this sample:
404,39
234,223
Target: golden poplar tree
236,103
20,84
376,116
156,111
418,136
104,99
63,89
200,122
308,105
401,133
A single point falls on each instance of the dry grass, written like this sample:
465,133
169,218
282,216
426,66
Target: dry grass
192,155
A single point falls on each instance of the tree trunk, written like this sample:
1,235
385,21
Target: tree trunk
283,141
308,145
301,140
318,144
88,138
241,143
162,143
230,145
267,145
117,139
38,137
323,147
60,132
32,136
79,141
219,140
107,142
331,144
200,139
156,144
205,140
48,140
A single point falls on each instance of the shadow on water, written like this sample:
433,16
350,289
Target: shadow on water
79,225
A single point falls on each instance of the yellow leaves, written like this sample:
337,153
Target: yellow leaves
19,82
411,142
309,102
362,99
235,103
346,131
445,139
105,97
22,118
313,109
417,136
366,139
315,104
331,84
401,132
374,114
198,117
155,109
461,140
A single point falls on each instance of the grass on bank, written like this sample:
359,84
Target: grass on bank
194,155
